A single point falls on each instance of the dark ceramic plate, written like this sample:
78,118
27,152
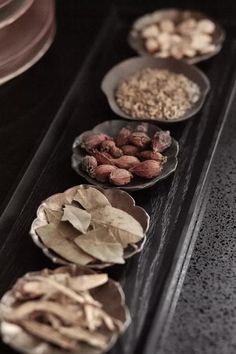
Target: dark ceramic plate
112,128
128,67
136,42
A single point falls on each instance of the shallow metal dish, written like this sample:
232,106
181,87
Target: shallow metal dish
12,10
112,127
136,42
16,337
4,3
130,66
118,199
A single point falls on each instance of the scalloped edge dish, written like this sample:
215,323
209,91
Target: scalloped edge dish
119,199
111,127
130,66
136,43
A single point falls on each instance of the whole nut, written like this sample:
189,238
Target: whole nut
92,141
107,145
147,169
206,26
116,152
130,150
102,172
103,158
89,165
123,137
139,139
167,25
150,31
161,141
120,177
142,128
151,155
151,44
126,162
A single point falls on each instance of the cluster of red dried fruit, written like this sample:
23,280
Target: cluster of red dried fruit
116,160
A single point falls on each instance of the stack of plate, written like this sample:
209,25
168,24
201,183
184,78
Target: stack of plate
27,29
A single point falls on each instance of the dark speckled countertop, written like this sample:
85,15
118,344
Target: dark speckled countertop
205,317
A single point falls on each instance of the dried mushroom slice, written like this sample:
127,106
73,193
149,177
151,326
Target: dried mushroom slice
77,333
87,282
91,198
48,334
65,315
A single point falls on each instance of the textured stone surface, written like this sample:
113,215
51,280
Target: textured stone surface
205,317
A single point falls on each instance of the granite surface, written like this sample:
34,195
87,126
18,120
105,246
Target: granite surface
205,317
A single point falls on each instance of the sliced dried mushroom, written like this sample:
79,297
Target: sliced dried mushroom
63,320
87,282
48,334
77,333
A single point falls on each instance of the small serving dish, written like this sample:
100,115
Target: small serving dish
12,10
4,3
175,16
107,293
112,128
127,68
117,198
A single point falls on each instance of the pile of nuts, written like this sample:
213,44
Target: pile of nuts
129,153
156,93
185,39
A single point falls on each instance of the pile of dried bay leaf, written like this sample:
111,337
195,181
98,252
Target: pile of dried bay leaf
89,230
71,308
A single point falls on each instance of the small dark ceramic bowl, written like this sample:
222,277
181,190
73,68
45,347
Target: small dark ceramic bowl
129,67
112,128
136,42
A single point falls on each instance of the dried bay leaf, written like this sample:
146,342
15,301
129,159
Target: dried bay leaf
79,218
55,239
102,246
126,238
53,216
122,225
90,198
